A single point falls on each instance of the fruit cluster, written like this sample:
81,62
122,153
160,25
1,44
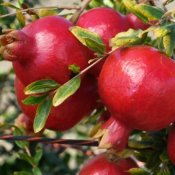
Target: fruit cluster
136,84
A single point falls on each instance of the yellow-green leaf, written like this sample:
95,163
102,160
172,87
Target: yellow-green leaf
41,86
89,39
42,114
66,90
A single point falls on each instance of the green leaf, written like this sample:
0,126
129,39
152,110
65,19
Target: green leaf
74,68
27,158
169,43
150,12
20,17
138,171
36,171
66,90
33,100
38,155
41,86
22,173
42,114
89,39
18,132
129,38
143,11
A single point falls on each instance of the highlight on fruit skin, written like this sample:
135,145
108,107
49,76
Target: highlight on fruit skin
70,112
113,134
136,23
44,49
137,84
171,145
104,164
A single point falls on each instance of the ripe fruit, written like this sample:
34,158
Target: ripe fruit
136,23
171,145
104,165
70,112
137,85
113,134
44,49
107,23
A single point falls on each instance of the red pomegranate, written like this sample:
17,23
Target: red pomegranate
70,112
113,134
171,145
136,23
44,49
137,84
103,165
107,23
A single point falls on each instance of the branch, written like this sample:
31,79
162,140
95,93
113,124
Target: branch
50,140
38,8
79,12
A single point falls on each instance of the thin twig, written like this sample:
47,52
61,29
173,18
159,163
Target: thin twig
50,140
79,12
38,8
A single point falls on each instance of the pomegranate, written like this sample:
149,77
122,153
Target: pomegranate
136,23
44,49
171,145
107,23
70,112
103,165
137,84
113,134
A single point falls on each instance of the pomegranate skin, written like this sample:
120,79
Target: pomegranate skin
107,23
171,145
137,85
45,49
113,134
101,165
70,112
136,23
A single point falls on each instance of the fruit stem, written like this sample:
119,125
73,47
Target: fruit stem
38,8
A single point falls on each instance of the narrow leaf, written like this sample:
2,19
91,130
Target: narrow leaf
42,114
41,86
89,39
129,38
38,155
33,100
150,12
138,171
27,158
169,43
36,171
20,18
144,11
66,90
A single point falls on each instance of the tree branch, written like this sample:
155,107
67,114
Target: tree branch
50,140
